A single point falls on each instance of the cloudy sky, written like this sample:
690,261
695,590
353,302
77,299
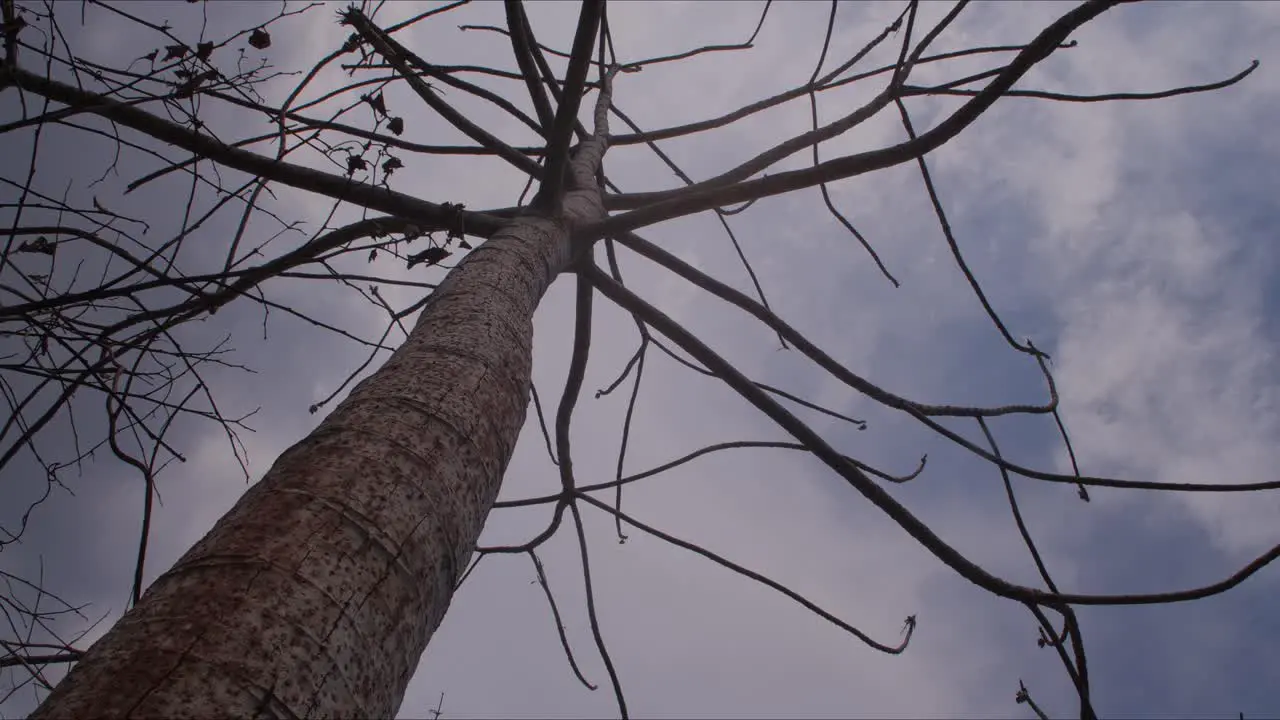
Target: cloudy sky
1135,242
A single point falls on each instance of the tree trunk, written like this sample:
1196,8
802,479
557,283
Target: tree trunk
317,592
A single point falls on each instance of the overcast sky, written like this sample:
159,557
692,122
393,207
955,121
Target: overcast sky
1134,242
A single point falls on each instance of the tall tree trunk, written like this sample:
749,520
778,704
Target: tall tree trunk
318,591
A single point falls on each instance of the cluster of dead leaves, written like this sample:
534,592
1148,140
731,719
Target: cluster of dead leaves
192,79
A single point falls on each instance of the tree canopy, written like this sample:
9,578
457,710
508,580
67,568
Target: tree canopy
1014,303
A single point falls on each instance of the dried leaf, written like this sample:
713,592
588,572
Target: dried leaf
40,245
373,254
354,163
175,52
391,165
151,56
430,256
376,102
204,50
396,126
188,88
260,39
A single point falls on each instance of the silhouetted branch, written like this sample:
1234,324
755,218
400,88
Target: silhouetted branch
427,215
561,131
400,58
881,499
592,616
555,614
733,445
798,598
732,186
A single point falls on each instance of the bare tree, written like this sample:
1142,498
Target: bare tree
317,593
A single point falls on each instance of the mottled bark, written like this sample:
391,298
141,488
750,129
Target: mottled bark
317,593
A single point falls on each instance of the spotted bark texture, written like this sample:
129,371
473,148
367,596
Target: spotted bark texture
316,594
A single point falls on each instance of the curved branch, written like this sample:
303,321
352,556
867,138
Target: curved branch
772,584
561,132
519,35
921,412
733,445
399,57
657,207
905,519
592,615
555,614
429,215
914,90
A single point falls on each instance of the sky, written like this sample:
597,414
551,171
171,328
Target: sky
1134,242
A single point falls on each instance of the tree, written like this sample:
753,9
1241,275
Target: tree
318,592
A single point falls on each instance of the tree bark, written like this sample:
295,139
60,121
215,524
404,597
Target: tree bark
317,592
